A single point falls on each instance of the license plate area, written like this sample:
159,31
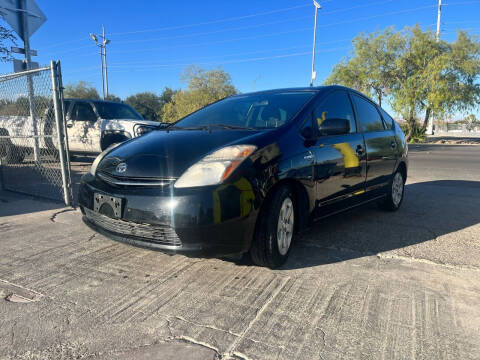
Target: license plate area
108,205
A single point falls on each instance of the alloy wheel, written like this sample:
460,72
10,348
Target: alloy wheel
397,189
285,226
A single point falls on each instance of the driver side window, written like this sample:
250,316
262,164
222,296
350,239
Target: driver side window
82,111
335,106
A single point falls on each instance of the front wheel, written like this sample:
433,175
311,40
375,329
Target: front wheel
275,230
395,192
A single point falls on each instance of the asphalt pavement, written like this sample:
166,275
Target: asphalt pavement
364,284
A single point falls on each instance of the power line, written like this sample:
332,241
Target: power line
214,32
276,33
230,61
249,16
234,54
225,20
190,25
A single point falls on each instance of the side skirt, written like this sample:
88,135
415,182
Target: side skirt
347,208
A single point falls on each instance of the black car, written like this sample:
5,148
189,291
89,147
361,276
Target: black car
247,173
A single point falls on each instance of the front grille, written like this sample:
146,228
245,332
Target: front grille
129,181
158,234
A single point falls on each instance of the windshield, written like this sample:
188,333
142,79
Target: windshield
258,111
110,110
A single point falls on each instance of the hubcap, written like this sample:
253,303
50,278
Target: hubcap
285,226
397,189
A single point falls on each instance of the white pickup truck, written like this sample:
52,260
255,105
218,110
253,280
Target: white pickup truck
92,126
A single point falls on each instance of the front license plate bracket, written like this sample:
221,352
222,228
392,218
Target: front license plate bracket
113,202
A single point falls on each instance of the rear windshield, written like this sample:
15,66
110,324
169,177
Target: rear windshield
259,111
110,110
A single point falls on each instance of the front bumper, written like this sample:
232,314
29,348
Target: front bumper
211,221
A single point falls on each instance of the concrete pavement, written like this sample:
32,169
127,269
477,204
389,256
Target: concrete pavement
364,284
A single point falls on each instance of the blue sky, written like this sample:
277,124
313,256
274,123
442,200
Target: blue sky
262,44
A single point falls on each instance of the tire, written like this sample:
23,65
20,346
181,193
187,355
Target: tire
9,154
395,192
279,211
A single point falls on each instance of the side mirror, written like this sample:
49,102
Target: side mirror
307,132
334,126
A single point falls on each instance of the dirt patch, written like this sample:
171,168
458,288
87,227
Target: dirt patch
450,140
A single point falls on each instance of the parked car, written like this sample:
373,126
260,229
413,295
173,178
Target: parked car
247,173
92,126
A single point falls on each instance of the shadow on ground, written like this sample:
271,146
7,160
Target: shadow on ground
12,203
430,210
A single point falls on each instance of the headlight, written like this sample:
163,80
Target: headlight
93,168
142,130
215,168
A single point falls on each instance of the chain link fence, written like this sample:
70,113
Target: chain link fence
33,146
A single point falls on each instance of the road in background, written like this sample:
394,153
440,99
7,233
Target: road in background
363,284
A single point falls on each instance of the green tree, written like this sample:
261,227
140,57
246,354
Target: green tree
112,97
6,36
416,73
371,65
436,76
204,87
149,104
81,90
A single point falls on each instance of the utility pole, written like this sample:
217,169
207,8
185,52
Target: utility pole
22,6
314,73
429,129
103,58
105,42
439,19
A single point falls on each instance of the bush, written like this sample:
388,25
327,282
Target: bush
418,133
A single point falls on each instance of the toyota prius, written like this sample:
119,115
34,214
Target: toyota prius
247,173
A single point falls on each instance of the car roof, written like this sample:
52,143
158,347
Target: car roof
317,89
94,100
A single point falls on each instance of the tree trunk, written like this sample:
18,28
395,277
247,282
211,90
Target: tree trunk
427,116
411,124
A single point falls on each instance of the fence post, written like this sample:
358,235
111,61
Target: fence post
2,186
58,70
59,123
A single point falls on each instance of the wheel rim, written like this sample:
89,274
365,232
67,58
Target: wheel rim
397,189
285,226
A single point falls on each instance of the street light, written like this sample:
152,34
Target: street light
103,59
314,73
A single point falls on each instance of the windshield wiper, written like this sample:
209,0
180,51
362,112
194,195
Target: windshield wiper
175,127
233,127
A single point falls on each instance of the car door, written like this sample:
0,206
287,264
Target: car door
379,141
84,128
340,168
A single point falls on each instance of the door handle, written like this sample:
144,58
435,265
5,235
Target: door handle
309,156
69,125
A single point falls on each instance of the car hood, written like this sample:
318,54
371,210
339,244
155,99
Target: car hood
118,124
167,154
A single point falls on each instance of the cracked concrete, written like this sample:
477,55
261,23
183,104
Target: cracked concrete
365,284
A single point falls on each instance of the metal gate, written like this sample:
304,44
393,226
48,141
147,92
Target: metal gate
33,145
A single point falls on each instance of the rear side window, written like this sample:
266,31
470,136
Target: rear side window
83,111
335,106
367,115
387,118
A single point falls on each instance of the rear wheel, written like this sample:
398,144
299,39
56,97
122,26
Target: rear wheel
275,230
9,154
395,192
